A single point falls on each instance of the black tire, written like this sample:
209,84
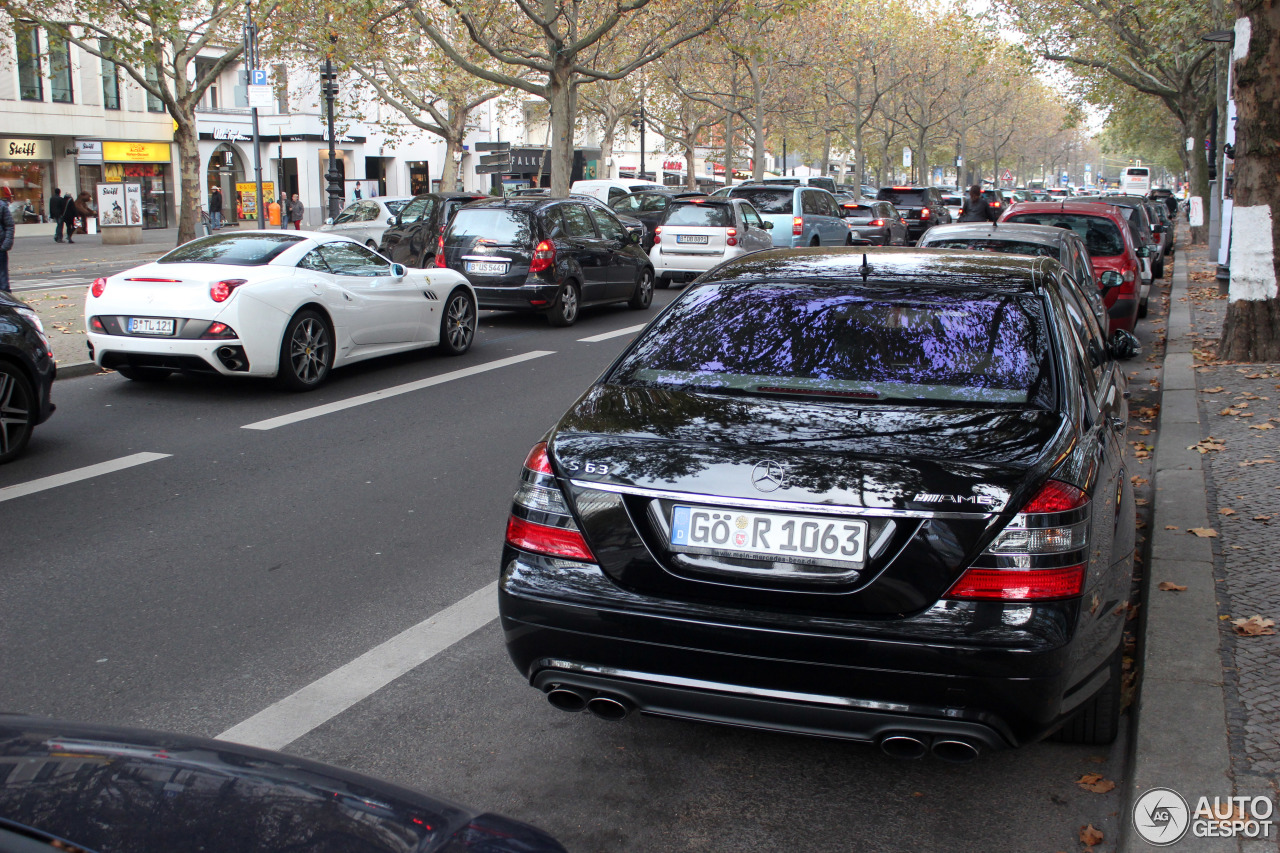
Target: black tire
565,310
428,261
1142,307
1157,269
815,242
848,241
18,411
643,297
662,282
458,324
1097,722
371,246
306,352
144,374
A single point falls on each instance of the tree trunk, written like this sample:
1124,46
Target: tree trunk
857,162
920,159
728,149
1251,330
826,152
189,170
563,100
606,150
449,171
691,178
757,143
1199,172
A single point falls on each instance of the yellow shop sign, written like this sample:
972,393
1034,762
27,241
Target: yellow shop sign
135,152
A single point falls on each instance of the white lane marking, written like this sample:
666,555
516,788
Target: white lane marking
82,284
351,402
595,339
19,490
320,701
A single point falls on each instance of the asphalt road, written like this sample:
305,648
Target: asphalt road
195,590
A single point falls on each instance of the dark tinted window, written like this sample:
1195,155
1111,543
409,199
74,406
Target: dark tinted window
394,207
509,227
416,209
904,198
248,250
810,203
1101,237
577,222
766,200
1012,247
610,228
708,215
913,344
862,212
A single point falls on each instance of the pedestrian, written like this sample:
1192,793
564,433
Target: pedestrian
57,205
273,212
975,207
296,212
215,208
75,208
7,230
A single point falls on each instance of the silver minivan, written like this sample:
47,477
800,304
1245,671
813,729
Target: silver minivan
801,216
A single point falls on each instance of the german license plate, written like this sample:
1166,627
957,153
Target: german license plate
487,267
150,326
692,238
762,534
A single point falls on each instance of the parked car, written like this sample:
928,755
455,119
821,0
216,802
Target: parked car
293,305
995,200
27,370
72,786
1111,247
551,256
826,183
921,207
863,495
698,233
413,239
648,206
1167,197
1149,233
877,222
609,191
1159,215
801,216
954,202
1061,244
366,220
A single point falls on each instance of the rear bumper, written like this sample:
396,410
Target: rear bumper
687,265
718,665
114,351
1123,314
525,297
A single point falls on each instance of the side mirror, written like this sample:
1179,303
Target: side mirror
1110,279
766,225
398,271
329,221
1144,252
393,220
1123,345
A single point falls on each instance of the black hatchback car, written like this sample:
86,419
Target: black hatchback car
414,237
26,376
547,255
877,495
921,207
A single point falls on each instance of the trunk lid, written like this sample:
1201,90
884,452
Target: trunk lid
166,290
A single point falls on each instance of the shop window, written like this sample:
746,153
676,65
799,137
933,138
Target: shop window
110,76
154,104
29,80
59,69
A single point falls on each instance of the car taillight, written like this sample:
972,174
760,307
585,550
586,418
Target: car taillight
95,323
540,520
1040,555
544,256
218,330
877,223
1128,276
99,285
440,261
222,291
994,204
657,234
732,239
797,226
925,213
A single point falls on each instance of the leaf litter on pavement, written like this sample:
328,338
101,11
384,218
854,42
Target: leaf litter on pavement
1254,626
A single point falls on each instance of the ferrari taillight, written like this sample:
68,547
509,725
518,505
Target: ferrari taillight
222,291
99,285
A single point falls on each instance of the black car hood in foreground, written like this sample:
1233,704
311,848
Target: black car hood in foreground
113,789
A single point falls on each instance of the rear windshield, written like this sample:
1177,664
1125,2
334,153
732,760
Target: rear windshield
508,227
903,198
767,200
953,199
856,211
1012,247
245,250
914,344
397,205
706,215
1101,237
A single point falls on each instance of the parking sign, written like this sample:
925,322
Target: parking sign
258,77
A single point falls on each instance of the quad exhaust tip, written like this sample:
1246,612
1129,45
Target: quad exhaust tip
567,699
609,708
572,699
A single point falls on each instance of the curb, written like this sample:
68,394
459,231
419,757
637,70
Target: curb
1179,736
79,368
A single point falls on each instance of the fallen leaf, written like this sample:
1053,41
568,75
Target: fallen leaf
1262,426
1141,501
1138,481
1254,626
1251,462
1090,836
1094,782
1262,518
1170,527
1170,586
1223,618
1204,532
1226,510
1218,390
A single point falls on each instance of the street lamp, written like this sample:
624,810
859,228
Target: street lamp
329,88
639,122
251,62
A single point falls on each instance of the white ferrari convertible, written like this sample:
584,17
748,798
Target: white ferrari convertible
292,305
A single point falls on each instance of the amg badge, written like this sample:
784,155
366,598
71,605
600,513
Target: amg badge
974,500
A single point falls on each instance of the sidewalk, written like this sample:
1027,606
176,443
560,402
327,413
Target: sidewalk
32,256
1208,719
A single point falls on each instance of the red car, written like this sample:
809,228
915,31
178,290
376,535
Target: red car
1106,235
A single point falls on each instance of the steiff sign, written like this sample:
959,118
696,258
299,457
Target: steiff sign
25,149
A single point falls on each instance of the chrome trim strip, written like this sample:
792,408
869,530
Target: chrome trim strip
739,689
754,503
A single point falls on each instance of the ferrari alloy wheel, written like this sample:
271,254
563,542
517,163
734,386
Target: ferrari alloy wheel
307,352
17,411
458,325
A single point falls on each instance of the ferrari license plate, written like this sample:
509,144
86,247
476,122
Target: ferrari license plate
765,535
487,267
150,326
692,238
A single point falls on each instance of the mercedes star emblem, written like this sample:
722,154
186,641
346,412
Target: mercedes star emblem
769,477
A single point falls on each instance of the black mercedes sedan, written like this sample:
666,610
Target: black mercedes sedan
877,495
26,376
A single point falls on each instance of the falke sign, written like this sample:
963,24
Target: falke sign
26,149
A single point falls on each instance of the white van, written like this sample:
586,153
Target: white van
1136,180
610,191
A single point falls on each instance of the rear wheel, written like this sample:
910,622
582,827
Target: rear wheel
1157,269
458,325
1098,721
428,261
814,242
643,295
144,374
565,310
17,411
662,282
306,353
1142,307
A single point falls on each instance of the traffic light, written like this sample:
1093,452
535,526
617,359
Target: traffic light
328,83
